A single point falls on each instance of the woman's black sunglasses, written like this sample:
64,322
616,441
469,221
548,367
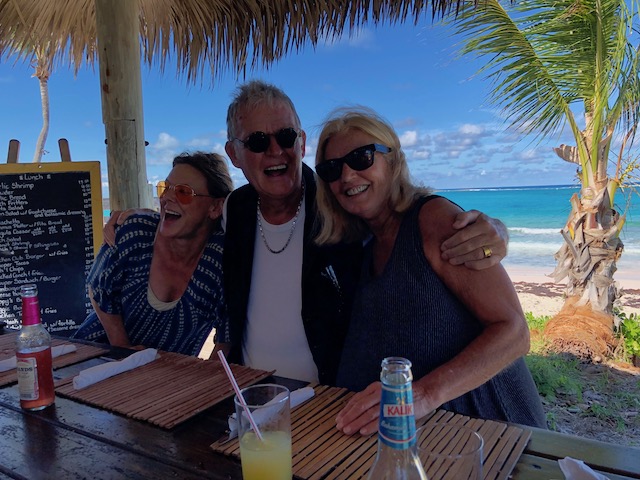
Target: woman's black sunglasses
258,142
359,159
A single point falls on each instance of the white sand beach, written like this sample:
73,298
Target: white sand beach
541,296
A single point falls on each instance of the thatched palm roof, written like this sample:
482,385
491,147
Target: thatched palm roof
202,37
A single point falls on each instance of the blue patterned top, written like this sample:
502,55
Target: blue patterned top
119,280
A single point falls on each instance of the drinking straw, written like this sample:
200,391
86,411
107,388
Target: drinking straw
235,386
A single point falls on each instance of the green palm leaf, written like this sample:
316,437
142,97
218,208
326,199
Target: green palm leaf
547,60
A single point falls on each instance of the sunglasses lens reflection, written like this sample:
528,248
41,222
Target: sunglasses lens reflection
258,142
329,171
286,137
358,160
184,193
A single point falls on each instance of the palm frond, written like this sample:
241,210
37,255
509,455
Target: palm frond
523,77
546,59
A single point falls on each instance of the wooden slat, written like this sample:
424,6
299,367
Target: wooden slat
165,392
321,452
83,352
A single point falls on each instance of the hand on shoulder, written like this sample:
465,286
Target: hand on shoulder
117,218
478,241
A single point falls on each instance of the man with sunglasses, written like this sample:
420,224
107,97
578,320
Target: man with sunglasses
289,299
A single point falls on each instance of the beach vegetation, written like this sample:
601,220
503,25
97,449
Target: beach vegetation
554,374
571,66
628,331
536,322
592,400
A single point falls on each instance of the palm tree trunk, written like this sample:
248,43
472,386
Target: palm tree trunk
44,132
588,261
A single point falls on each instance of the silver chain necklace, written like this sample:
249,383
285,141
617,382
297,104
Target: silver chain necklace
293,226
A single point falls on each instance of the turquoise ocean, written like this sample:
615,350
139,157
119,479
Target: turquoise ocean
535,215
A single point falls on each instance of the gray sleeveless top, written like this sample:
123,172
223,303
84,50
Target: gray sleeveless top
408,312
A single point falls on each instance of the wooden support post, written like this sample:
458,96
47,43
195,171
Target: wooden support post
14,151
65,153
118,38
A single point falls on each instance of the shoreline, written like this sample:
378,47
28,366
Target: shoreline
540,295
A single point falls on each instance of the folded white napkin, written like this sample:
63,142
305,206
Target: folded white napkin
57,351
7,364
295,398
101,372
577,470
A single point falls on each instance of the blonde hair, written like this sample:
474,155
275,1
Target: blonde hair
336,224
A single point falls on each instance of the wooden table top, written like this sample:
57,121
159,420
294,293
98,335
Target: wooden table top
76,440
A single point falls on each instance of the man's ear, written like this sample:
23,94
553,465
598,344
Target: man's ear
303,142
230,148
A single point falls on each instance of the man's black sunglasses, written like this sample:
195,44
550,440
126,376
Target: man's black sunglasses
359,159
258,142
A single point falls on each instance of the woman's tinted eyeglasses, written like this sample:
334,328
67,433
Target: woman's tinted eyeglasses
258,142
184,193
359,159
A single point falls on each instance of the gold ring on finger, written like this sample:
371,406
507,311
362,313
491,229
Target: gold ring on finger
487,252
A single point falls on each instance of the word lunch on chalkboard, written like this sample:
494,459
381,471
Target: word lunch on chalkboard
50,230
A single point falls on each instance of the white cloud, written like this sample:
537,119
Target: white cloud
202,143
470,129
419,155
409,138
361,38
358,38
481,159
530,154
480,154
165,141
406,122
163,150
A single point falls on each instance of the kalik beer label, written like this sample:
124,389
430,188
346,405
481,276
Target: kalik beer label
397,421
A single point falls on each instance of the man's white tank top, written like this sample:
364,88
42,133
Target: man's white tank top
274,335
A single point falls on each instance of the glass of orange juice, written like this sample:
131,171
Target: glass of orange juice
269,458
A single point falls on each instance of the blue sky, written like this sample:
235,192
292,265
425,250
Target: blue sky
408,73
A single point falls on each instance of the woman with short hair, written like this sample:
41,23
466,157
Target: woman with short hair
161,284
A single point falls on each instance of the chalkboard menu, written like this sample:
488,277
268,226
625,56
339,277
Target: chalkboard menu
50,229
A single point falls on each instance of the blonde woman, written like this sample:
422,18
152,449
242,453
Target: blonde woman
463,329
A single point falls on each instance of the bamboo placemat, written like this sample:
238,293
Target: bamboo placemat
8,349
320,451
165,392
